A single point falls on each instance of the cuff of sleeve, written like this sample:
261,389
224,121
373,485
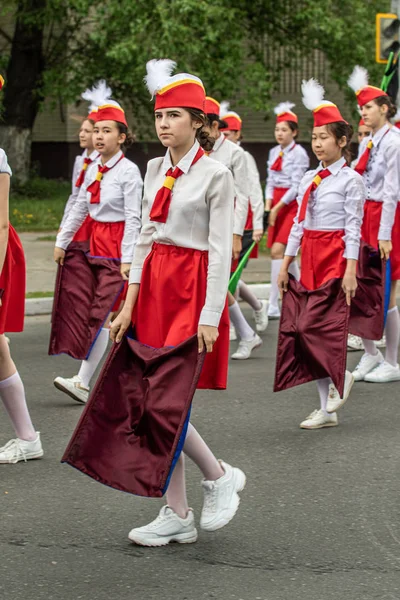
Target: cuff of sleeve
352,251
209,317
238,230
126,258
259,224
292,249
287,200
135,275
385,233
61,244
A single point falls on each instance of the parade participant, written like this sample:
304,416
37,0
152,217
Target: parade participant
111,195
232,156
184,254
379,164
287,164
27,444
327,225
254,224
396,120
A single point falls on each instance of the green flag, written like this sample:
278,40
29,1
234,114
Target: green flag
234,280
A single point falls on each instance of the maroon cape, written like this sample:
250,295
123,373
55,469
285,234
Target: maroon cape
133,428
86,289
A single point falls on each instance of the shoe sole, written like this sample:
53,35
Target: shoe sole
240,483
319,426
35,456
182,538
233,357
60,387
343,400
350,349
382,381
262,330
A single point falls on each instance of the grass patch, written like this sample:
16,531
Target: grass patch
39,294
46,238
39,204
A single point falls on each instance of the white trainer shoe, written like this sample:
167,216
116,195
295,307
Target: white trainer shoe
367,363
354,343
221,499
319,419
245,349
261,316
73,387
232,333
274,312
383,373
17,450
167,527
334,400
381,343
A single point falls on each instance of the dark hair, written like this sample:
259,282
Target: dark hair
130,137
204,139
382,100
341,129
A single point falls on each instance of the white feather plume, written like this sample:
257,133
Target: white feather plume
358,79
158,72
224,108
283,107
313,94
98,95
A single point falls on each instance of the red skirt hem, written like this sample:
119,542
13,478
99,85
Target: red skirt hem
370,230
280,232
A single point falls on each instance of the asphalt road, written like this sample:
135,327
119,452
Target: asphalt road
319,518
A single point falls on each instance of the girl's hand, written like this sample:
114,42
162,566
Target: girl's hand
349,286
120,325
257,235
207,336
125,270
268,204
385,247
236,246
272,216
283,280
59,255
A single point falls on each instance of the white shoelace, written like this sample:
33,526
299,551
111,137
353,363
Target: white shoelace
332,391
16,450
210,496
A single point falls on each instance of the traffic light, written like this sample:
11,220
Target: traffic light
387,36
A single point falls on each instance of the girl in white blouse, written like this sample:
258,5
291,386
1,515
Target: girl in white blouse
287,164
184,254
379,165
327,225
111,195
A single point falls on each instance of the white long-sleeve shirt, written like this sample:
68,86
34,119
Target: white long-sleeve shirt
78,164
382,176
295,162
4,166
255,191
120,200
232,156
200,217
337,203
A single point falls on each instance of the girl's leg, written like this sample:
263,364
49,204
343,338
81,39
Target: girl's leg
198,451
323,390
176,493
392,329
277,254
247,295
89,366
243,329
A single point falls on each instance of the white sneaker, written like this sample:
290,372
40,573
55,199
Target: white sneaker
366,364
73,387
334,400
383,373
232,333
245,349
274,312
381,343
17,450
167,527
261,316
319,419
354,343
221,499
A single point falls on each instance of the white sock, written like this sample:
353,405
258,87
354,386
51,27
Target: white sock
243,329
247,295
89,366
274,293
392,331
12,393
323,390
370,348
294,269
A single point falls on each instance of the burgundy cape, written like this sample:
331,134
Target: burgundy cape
132,430
85,292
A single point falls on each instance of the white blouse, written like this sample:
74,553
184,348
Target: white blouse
382,177
78,164
4,166
200,217
255,191
337,203
120,200
232,156
295,162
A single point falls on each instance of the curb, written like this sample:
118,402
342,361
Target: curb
44,306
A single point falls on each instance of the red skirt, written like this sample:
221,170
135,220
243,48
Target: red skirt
370,230
106,241
171,297
280,232
322,257
85,230
13,282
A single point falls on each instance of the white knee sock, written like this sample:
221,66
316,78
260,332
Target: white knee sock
12,393
392,331
247,295
243,329
198,451
274,293
89,366
323,390
370,348
294,269
176,492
